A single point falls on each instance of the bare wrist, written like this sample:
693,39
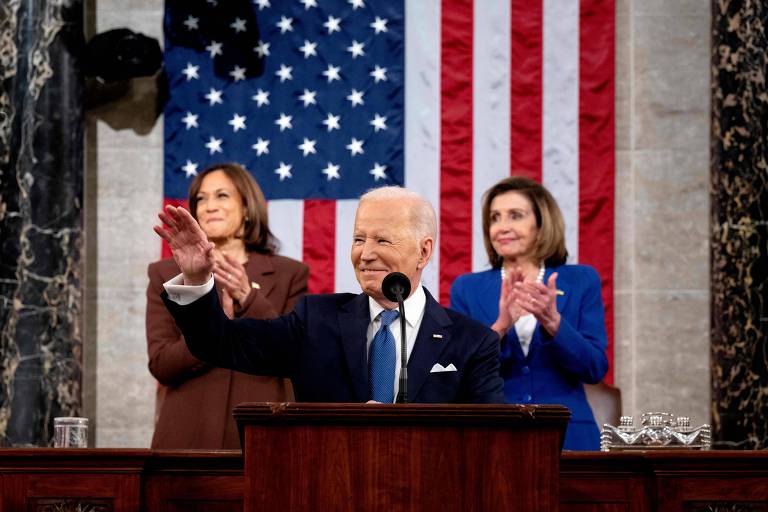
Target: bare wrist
500,329
553,326
243,297
196,279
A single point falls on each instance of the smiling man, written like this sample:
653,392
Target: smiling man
344,347
394,232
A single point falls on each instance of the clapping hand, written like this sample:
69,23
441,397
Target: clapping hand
190,246
509,309
227,304
231,276
541,301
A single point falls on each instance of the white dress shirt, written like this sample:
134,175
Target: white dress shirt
183,294
524,328
414,313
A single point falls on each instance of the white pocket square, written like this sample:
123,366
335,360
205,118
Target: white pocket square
440,368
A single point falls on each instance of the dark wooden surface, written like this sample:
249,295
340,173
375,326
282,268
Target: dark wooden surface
352,457
42,479
475,415
120,480
170,481
181,481
688,481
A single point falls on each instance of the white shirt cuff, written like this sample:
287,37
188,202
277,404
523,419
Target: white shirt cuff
183,294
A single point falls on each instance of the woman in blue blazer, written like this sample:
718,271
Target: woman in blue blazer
549,315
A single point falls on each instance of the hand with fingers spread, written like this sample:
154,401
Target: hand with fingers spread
190,246
231,277
509,310
541,301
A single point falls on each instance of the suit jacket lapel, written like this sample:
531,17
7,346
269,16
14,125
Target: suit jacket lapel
261,271
354,318
489,296
514,343
561,300
427,349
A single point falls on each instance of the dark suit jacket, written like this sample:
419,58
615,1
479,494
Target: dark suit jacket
321,346
195,400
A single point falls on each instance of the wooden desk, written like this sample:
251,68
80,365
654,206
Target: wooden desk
181,481
119,480
690,481
33,480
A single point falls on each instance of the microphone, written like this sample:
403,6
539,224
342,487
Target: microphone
396,288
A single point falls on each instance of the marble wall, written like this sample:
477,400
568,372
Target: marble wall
41,198
662,215
740,224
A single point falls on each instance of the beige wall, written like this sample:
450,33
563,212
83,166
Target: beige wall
124,192
662,206
662,231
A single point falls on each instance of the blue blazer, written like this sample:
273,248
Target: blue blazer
321,346
556,367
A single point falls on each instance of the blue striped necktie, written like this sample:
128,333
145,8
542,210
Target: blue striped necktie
382,360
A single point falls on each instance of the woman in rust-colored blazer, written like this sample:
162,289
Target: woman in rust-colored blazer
195,400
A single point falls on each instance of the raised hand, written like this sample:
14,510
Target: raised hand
509,309
191,249
541,301
231,276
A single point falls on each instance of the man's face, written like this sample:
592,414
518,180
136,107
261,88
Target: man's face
384,241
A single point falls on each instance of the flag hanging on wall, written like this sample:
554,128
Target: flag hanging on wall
324,99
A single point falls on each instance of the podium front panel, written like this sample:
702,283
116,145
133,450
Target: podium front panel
401,457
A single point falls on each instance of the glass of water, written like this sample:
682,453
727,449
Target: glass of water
70,432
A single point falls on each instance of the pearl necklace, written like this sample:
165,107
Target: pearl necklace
539,276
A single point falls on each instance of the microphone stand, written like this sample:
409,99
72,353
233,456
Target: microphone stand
402,394
394,286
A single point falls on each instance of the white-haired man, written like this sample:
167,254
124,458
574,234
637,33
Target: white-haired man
344,347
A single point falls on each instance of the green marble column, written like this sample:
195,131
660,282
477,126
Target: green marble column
740,224
41,235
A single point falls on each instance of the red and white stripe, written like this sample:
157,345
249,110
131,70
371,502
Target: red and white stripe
538,101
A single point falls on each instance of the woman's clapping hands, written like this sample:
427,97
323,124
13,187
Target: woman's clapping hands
230,275
519,298
540,300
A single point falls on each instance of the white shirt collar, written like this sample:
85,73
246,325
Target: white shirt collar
414,306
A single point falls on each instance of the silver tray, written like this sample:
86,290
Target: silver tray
657,430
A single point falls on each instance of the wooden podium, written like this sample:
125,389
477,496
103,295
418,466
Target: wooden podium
353,457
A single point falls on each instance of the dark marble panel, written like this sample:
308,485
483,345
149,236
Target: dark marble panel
739,148
41,235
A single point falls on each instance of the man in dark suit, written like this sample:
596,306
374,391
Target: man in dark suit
344,347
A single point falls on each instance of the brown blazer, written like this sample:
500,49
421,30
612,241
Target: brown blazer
196,409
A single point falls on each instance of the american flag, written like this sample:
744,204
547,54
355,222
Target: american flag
323,99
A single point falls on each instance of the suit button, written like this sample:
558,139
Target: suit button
526,370
527,399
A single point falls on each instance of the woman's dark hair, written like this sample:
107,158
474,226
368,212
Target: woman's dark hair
550,241
256,233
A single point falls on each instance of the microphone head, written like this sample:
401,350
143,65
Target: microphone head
394,284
